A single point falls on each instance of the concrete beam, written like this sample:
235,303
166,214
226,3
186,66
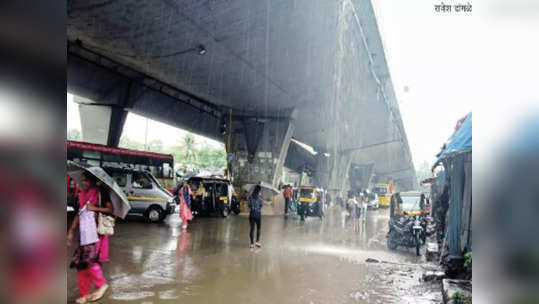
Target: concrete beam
298,159
107,83
340,166
95,122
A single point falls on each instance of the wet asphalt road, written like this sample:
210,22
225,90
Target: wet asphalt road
300,262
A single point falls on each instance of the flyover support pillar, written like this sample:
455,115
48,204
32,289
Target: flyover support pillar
103,119
338,174
259,151
322,171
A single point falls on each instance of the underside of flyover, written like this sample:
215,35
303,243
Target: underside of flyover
251,74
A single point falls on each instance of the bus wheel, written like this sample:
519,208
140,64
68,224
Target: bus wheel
155,214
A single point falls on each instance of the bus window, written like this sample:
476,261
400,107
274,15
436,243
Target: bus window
93,162
167,172
110,157
155,171
141,181
91,154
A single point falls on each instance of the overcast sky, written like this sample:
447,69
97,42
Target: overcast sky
449,61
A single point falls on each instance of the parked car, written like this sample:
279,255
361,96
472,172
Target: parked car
372,200
373,204
146,195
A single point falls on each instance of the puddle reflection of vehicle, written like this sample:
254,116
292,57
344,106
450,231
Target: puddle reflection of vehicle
212,196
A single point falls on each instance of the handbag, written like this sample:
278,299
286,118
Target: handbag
105,222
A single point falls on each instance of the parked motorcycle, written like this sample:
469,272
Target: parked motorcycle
406,231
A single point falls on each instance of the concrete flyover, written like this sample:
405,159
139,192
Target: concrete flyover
252,74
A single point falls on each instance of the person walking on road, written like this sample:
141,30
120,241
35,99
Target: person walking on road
287,193
353,207
363,204
185,194
93,248
255,204
329,199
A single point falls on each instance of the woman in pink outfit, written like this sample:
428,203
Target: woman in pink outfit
185,194
93,248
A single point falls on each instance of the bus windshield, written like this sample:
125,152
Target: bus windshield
380,190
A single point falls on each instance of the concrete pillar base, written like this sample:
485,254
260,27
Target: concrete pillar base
259,151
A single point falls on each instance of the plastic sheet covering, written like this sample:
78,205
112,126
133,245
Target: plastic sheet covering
455,168
466,228
458,236
460,141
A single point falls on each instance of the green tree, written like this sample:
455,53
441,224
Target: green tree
126,142
188,155
155,145
189,146
211,157
73,134
178,152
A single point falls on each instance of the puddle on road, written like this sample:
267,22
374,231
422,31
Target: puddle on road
300,262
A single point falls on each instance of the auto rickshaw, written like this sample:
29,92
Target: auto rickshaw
407,225
412,203
211,196
310,202
384,194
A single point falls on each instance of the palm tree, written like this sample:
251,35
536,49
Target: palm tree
189,146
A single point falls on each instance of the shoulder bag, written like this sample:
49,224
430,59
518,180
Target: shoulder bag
105,222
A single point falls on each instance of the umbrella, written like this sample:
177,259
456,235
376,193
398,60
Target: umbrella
119,201
266,189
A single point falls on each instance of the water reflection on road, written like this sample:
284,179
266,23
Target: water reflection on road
316,261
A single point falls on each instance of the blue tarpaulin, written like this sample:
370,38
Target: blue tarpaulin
461,141
457,161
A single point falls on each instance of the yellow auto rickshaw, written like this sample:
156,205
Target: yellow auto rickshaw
210,196
310,202
407,225
412,203
384,194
